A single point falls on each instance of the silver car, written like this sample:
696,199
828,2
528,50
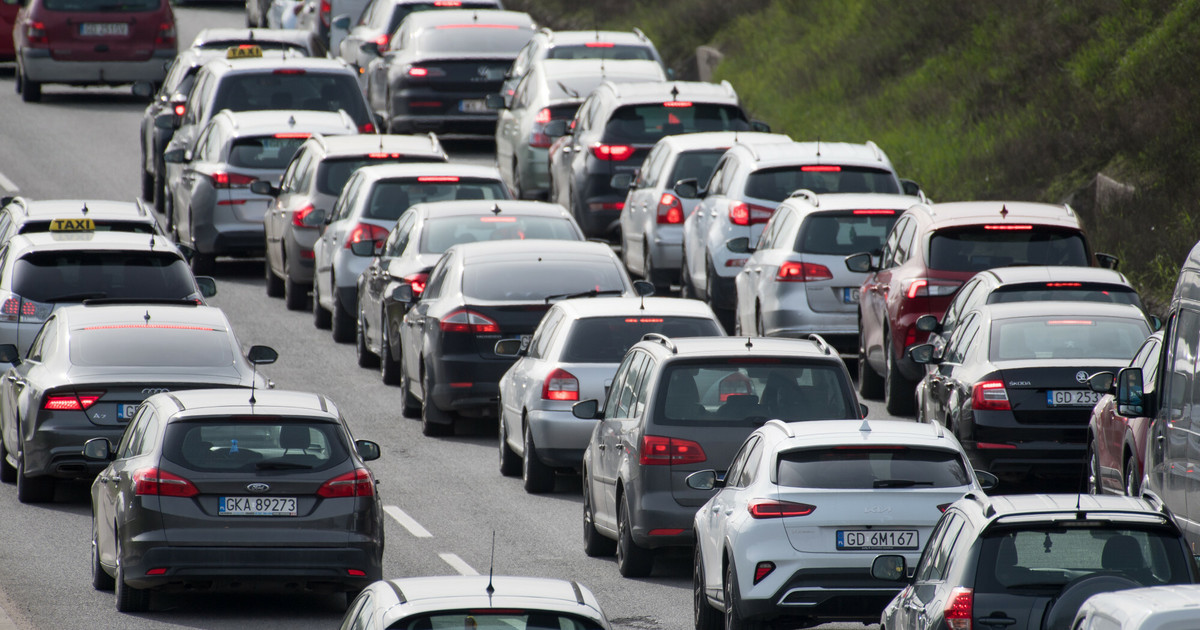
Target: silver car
213,209
593,44
552,90
796,283
564,363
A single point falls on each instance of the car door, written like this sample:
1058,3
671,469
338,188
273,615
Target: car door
375,278
16,392
605,443
412,332
640,204
331,237
873,294
728,505
956,385
930,587
116,481
697,224
1177,403
508,128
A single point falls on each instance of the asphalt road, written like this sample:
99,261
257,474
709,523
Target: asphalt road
447,496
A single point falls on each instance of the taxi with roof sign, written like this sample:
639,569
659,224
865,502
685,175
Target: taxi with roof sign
21,215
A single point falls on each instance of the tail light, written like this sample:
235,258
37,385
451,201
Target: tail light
466,321
792,271
417,281
366,128
665,451
762,570
670,210
152,481
221,179
421,72
991,396
18,309
924,287
299,216
943,507
537,135
75,401
770,508
560,385
366,232
326,8
741,213
612,152
357,483
180,109
35,32
165,35
381,43
960,607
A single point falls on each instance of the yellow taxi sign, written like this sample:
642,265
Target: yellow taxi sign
244,51
72,225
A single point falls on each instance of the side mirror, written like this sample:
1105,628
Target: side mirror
643,288
987,481
341,22
758,125
687,189
586,409
922,354
165,120
890,568
99,449
10,354
1130,392
264,187
509,348
911,188
496,101
143,89
366,248
740,245
863,410
262,355
175,156
704,480
316,218
929,324
208,286
367,450
861,263
1108,261
621,181
371,48
1156,322
188,251
556,128
1102,382
403,293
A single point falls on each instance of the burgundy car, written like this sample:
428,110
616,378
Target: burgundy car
1117,442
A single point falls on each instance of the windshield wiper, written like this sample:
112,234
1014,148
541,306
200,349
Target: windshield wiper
76,297
899,483
592,293
277,465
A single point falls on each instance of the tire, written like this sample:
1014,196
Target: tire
341,324
129,599
510,462
33,489
898,392
8,473
434,421
685,286
203,264
101,580
147,185
870,383
295,295
595,544
516,171
366,358
1094,482
411,407
31,91
704,616
760,327
389,368
1133,481
733,617
274,283
321,317
632,560
538,477
160,187
660,279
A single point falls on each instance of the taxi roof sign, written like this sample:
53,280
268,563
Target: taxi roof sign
72,225
244,51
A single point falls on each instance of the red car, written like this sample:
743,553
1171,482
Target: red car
8,19
1116,442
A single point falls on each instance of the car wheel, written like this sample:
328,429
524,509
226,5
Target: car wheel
33,489
321,317
685,286
274,283
147,185
898,392
632,560
1133,481
160,188
1094,483
101,580
870,384
518,192
129,599
203,264
595,545
295,295
8,472
510,462
434,421
366,358
340,322
760,327
389,368
662,284
714,297
538,476
704,616
733,617
31,91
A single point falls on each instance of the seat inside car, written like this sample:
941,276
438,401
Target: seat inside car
1123,554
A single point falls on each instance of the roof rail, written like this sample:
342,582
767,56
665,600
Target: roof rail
320,139
782,426
750,148
578,593
141,206
875,147
729,88
928,208
15,199
807,194
984,502
1069,209
545,30
662,339
821,343
400,598
642,36
434,142
350,121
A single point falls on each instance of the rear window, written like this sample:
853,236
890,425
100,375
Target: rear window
647,124
775,184
108,6
474,38
136,227
619,333
73,276
402,11
246,445
142,346
520,281
868,467
845,233
697,165
749,391
286,88
495,619
391,197
264,152
1067,337
222,44
440,233
1067,292
333,173
600,50
980,247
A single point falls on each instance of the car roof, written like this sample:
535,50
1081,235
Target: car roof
559,38
1051,308
257,122
357,144
477,207
865,432
75,209
1055,273
194,403
961,213
492,251
841,153
1013,504
250,35
663,91
426,19
581,308
1140,604
256,65
850,201
21,244
620,69
721,139
456,592
135,314
699,347
418,169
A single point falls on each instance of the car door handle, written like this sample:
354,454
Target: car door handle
712,213
716,508
602,447
12,378
997,621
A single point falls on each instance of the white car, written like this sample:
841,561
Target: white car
572,356
1152,608
804,509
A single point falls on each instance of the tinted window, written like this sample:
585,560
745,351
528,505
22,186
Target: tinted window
864,468
775,184
1065,291
284,89
390,198
525,281
72,276
264,152
599,50
137,227
647,124
463,41
1067,338
333,174
844,233
506,619
222,44
141,346
976,248
697,165
102,5
238,445
439,234
620,333
748,391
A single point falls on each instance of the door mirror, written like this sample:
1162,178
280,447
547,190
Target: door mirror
143,89
208,286
509,348
1108,261
929,324
556,128
370,48
316,218
1102,382
911,188
1130,393
1156,323
175,156
621,181
760,126
987,481
586,409
739,245
263,187
704,480
341,22
861,263
922,354
890,568
643,288
262,355
403,293
687,189
366,248
496,101
165,120
9,354
863,410
99,449
367,450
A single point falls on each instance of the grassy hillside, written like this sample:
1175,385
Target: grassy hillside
1025,99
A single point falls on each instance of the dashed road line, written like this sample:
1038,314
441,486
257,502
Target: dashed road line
7,184
407,522
458,564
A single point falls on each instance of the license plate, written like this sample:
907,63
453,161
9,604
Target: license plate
100,29
850,295
126,411
852,539
473,106
1072,398
258,506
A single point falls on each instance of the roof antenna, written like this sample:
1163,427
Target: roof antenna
495,211
818,147
147,317
475,16
491,563
675,92
643,306
253,381
749,344
865,426
85,209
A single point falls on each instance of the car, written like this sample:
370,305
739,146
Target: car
551,89
794,283
477,294
366,211
89,368
213,210
328,20
312,181
88,42
677,406
1116,442
440,67
413,247
615,129
805,501
651,221
931,250
565,361
1029,561
232,489
746,186
8,20
1149,608
21,215
1013,383
593,44
520,603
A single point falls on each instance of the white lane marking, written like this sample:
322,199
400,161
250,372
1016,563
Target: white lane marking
407,522
458,564
7,184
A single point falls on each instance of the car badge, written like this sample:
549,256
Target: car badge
878,509
258,488
150,391
1081,376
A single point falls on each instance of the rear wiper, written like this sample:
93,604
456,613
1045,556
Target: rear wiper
76,297
277,465
592,293
899,483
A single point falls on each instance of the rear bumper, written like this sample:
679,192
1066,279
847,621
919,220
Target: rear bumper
39,66
468,384
322,568
240,242
1034,458
560,437
56,450
659,510
825,595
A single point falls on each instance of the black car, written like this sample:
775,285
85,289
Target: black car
424,232
477,294
1027,562
230,489
1012,382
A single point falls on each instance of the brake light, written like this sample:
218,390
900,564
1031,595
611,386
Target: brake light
742,213
543,116
35,32
299,216
381,42
643,320
1069,322
221,179
560,385
674,104
418,72
664,451
447,3
152,481
762,570
1060,285
497,219
924,287
165,35
872,211
612,152
384,156
943,507
792,271
467,321
17,309
357,483
326,7
180,109
438,179
960,607
366,128
289,71
820,168
510,27
1008,227
769,508
293,135
991,396
607,205
599,44
77,401
670,210
537,135
366,232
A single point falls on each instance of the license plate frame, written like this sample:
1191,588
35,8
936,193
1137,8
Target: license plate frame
849,295
104,29
874,540
1074,400
256,506
473,106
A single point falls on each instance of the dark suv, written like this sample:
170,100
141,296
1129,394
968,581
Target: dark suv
677,406
1025,562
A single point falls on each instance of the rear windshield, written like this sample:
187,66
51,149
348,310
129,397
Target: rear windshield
402,11
1067,292
142,346
136,227
867,467
474,39
495,619
521,281
73,276
619,333
1039,560
845,233
1069,337
697,165
439,234
775,184
391,197
647,124
292,89
980,247
264,152
222,44
750,391
333,173
600,50
250,444
108,6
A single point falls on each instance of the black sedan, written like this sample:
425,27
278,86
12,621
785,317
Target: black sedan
1012,382
477,294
